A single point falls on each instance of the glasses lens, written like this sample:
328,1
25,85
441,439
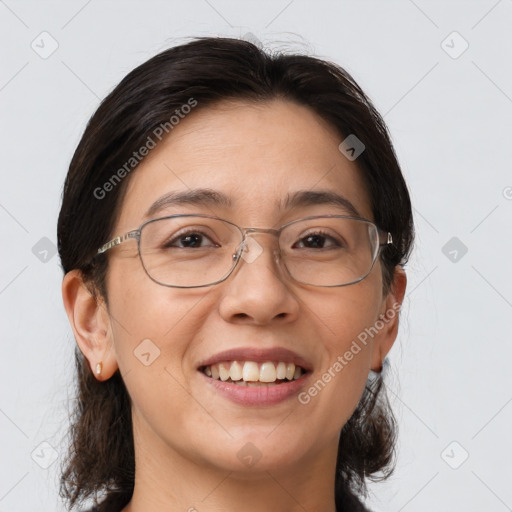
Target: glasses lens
193,251
329,251
188,250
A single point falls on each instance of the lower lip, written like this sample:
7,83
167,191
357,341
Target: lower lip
264,395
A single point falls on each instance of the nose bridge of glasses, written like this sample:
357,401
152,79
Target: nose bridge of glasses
269,231
251,231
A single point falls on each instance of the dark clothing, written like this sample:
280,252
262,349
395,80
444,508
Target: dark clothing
352,504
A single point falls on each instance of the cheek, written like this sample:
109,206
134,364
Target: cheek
153,328
148,318
344,317
342,323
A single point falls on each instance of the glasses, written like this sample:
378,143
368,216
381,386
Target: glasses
189,251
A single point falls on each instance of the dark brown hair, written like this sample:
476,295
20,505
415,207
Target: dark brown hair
101,462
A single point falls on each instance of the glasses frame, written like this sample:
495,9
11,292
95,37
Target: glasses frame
136,234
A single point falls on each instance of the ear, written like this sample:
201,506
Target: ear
91,325
392,303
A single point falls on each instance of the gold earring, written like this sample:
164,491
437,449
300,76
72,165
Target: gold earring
99,367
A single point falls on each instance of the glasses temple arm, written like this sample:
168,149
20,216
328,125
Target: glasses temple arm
118,240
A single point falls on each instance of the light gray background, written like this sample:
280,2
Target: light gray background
450,119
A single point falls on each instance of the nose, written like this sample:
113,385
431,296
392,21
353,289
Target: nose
259,289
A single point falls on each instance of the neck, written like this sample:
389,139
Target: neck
167,480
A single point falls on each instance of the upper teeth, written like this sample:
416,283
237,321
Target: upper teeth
249,371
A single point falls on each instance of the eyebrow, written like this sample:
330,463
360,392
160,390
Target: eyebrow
194,197
319,197
210,197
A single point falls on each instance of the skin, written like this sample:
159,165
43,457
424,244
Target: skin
186,436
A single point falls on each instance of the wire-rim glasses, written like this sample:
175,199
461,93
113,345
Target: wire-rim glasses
353,247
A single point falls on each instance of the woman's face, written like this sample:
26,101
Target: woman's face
162,336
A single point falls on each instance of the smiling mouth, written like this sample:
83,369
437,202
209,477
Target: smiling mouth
253,374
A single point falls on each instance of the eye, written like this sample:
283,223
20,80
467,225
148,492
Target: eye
317,240
189,239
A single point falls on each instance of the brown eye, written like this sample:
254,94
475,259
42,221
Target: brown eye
189,240
317,240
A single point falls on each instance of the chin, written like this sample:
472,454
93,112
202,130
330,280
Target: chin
259,450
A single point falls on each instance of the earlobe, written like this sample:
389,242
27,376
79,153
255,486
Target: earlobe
89,319
389,318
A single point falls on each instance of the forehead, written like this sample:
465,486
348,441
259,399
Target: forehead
258,155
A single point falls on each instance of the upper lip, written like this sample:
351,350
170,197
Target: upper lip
258,355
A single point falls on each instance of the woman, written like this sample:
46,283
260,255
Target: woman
219,367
